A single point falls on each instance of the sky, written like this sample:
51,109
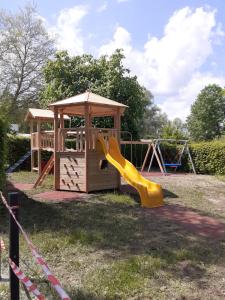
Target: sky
174,47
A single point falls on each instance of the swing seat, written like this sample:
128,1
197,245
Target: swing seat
172,165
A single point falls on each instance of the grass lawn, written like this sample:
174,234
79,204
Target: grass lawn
109,248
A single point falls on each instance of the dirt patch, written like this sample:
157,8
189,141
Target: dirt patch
60,196
191,220
11,187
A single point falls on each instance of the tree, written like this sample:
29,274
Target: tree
6,107
67,76
24,50
175,129
154,120
207,114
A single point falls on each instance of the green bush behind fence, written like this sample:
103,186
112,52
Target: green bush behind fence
17,147
208,157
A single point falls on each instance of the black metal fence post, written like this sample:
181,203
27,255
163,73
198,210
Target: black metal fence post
14,244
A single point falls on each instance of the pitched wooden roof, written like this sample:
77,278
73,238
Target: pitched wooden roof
41,114
98,105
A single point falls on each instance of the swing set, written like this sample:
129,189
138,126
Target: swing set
167,159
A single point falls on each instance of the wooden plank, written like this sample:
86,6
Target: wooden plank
69,168
146,157
152,157
117,126
56,169
71,180
162,163
31,132
190,158
39,146
45,171
72,154
75,161
69,176
39,161
87,124
134,143
73,187
106,186
158,160
61,142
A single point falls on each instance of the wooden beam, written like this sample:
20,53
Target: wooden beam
87,124
56,148
158,159
134,143
39,146
31,143
146,157
190,158
117,125
61,140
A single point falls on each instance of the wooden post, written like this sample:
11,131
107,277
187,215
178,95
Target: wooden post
158,159
146,157
87,123
31,144
190,158
157,147
14,244
39,146
56,148
61,140
117,125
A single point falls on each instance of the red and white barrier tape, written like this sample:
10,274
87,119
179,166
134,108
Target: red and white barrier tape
26,281
39,259
2,245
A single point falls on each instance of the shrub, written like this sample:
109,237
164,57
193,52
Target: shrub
2,153
17,147
209,157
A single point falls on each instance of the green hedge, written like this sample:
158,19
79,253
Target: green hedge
2,153
17,147
209,157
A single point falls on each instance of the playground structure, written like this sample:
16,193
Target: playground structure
40,139
167,162
82,156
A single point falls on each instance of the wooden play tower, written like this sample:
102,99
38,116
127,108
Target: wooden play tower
79,163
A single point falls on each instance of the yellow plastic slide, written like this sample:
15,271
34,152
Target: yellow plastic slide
150,192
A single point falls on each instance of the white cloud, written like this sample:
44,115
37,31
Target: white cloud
67,29
120,1
179,104
121,39
102,7
170,66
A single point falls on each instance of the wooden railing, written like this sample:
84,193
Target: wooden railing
70,139
47,140
73,139
105,132
43,140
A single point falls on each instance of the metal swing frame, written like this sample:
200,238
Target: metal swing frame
156,152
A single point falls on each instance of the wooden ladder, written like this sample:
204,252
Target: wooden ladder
45,172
